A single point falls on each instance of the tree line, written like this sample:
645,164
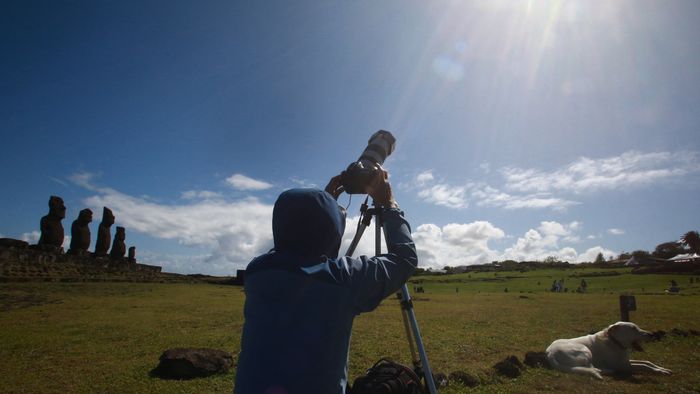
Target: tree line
688,243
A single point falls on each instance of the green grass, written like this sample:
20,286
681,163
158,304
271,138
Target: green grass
106,337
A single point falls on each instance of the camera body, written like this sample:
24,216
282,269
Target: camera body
359,173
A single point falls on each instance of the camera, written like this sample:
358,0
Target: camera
359,173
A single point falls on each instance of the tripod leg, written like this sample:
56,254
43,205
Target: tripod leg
410,322
358,235
363,222
427,373
378,225
406,325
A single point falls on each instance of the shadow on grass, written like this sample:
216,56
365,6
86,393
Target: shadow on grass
626,377
169,374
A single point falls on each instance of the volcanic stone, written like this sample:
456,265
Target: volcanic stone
510,367
188,363
536,360
465,378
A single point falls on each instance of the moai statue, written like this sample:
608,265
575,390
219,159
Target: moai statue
132,255
51,227
119,246
104,237
80,233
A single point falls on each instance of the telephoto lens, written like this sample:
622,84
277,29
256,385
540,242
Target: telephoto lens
359,173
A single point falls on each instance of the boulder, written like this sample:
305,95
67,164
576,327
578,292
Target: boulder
536,360
189,363
510,367
679,333
440,379
465,378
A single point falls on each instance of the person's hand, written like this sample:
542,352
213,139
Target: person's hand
334,187
380,189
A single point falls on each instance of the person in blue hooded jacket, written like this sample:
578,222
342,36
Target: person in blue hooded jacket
301,298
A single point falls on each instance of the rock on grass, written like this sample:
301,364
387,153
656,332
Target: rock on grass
536,360
464,378
510,367
189,363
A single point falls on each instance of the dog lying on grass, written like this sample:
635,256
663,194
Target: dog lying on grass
605,352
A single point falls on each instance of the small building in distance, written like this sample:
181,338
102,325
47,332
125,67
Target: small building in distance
686,258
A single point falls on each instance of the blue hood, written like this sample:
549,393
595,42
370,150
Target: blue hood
307,222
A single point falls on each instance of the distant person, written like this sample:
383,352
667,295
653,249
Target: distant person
674,287
301,298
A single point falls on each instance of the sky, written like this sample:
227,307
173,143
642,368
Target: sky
525,129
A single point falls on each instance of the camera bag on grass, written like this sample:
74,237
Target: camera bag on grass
388,377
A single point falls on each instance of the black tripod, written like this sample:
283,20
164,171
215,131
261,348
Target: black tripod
420,364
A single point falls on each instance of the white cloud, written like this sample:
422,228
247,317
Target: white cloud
441,194
529,188
456,244
59,181
83,179
532,246
553,228
200,194
566,231
630,169
616,231
485,195
302,182
366,245
233,231
590,254
547,239
242,182
467,244
567,254
424,177
31,237
185,264
445,195
458,196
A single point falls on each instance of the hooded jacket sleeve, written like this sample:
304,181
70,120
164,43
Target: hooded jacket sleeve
374,278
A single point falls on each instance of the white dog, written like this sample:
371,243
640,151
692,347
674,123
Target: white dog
605,352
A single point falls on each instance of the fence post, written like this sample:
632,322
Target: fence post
627,304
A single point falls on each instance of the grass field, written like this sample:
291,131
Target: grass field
106,337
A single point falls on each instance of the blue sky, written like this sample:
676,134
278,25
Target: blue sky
525,129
